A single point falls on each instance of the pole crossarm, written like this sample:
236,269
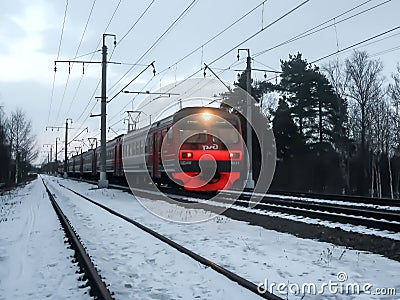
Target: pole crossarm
54,127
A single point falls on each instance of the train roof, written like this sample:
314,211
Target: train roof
184,112
195,110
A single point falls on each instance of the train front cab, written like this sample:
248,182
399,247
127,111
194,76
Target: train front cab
199,148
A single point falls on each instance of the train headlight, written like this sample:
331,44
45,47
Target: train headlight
234,155
187,155
206,116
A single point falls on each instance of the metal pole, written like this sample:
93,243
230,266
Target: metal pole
51,155
66,149
103,182
55,156
250,181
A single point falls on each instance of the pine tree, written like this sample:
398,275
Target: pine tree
315,107
287,138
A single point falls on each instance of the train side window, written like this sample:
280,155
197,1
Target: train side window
147,145
170,136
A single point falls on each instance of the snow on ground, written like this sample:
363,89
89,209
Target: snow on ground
137,265
34,260
347,227
325,201
255,253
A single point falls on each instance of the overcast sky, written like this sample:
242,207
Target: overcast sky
31,31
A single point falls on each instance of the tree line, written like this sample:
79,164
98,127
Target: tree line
336,127
17,147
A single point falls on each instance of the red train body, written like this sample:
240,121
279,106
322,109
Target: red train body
177,149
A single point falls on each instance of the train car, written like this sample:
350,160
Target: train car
70,167
88,166
179,145
75,164
113,158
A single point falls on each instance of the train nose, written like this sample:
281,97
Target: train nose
208,167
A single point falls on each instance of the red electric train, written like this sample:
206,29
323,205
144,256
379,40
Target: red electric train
196,148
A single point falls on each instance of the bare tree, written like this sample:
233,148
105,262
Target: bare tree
394,94
337,76
364,85
4,150
365,88
22,142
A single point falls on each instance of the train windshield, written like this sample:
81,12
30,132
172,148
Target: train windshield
195,130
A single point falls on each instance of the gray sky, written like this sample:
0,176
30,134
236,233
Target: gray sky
30,33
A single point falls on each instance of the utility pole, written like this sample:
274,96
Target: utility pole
66,148
250,181
55,158
103,182
66,143
51,155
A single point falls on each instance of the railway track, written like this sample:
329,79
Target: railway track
372,213
204,261
378,217
342,198
98,288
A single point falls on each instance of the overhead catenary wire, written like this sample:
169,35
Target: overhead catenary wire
199,70
348,48
200,47
76,54
58,56
356,44
246,40
172,25
94,92
98,83
215,36
318,28
136,22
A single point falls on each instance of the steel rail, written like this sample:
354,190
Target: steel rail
232,276
98,288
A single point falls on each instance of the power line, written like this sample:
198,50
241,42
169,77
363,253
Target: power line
179,18
58,55
317,28
137,21
92,97
246,40
351,47
76,54
190,53
80,81
356,44
217,35
261,30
